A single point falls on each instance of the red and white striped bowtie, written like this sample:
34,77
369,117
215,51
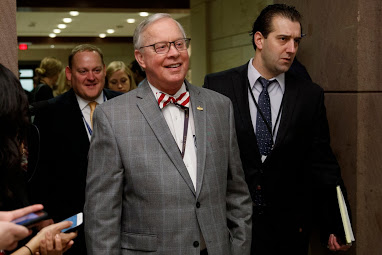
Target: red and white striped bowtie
183,100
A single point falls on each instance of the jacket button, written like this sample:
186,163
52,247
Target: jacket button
197,204
196,244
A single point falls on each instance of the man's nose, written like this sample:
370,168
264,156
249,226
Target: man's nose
172,50
292,46
90,76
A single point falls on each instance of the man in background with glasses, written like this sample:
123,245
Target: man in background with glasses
164,172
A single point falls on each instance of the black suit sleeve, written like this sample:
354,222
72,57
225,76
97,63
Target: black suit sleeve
326,176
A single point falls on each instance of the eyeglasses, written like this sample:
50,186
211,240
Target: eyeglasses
164,47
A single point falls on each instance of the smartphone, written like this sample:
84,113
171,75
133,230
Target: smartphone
31,218
77,221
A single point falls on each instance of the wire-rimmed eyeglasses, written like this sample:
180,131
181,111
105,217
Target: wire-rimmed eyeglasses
164,47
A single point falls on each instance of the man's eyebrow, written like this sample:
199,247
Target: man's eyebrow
289,36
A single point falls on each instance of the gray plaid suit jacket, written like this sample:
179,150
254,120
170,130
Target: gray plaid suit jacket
139,196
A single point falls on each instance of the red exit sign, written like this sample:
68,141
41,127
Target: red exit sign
23,46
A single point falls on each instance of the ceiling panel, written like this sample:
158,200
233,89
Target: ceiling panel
36,19
86,24
146,4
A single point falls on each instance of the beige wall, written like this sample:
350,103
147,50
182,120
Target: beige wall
229,25
224,26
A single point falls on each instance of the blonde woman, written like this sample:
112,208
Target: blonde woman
119,77
47,75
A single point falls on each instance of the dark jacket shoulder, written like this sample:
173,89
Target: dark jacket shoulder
291,79
111,93
227,73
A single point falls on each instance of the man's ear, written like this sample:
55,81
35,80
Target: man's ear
258,38
140,59
68,73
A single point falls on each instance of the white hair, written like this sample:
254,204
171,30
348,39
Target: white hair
137,40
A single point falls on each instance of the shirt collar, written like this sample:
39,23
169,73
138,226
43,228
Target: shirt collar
253,75
157,91
83,103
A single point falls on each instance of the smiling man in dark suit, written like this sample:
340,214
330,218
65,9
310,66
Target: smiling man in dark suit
65,130
283,137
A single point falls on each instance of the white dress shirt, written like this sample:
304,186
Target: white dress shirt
275,91
175,120
85,109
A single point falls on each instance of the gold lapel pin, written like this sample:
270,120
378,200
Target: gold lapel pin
199,108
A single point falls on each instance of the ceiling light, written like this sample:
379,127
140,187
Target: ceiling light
56,31
130,21
61,26
110,31
52,35
143,14
102,35
74,13
67,20
52,46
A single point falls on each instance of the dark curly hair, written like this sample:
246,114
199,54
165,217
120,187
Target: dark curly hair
13,124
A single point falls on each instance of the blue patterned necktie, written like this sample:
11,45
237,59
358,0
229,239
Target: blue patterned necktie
264,137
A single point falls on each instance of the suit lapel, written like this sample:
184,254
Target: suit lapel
241,85
289,103
199,110
73,115
154,117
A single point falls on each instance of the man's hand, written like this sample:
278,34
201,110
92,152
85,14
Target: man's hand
334,244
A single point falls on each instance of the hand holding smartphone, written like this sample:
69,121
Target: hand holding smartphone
77,221
31,218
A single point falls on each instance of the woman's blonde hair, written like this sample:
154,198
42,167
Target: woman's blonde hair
63,84
119,65
49,67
